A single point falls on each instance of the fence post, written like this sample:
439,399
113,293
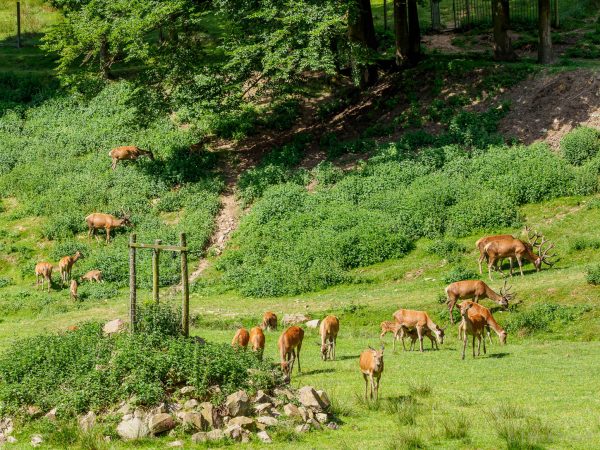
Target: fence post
132,283
384,15
185,310
436,22
155,273
556,15
18,24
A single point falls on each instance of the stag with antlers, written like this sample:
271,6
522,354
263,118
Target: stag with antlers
476,289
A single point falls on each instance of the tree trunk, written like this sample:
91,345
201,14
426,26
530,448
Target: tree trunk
361,32
104,58
503,50
545,44
414,33
401,32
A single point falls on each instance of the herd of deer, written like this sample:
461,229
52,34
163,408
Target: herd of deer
476,319
95,222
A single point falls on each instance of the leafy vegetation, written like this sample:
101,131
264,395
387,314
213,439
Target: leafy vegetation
580,145
593,275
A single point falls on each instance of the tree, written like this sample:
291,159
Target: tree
545,39
361,34
414,33
401,32
503,50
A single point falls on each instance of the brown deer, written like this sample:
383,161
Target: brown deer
516,248
476,308
92,275
43,272
65,265
413,335
475,289
97,221
371,366
257,340
481,243
330,326
241,338
390,327
420,321
269,321
474,325
128,152
290,344
73,290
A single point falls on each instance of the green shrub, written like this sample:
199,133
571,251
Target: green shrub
542,316
447,249
459,273
579,145
593,275
583,243
159,319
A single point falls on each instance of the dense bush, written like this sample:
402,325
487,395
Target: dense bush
82,370
447,249
593,275
580,145
459,273
541,317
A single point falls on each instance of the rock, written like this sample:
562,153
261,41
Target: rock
87,422
263,408
199,438
215,435
194,420
264,437
304,413
6,426
114,326
238,404
191,404
321,417
309,398
267,420
234,432
125,408
245,422
313,323
284,392
187,390
11,440
34,411
159,423
51,415
132,429
261,397
324,399
175,444
302,428
107,439
160,409
294,319
333,426
36,440
291,410
314,424
209,413
139,413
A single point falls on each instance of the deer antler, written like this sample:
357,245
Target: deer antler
505,291
533,236
544,256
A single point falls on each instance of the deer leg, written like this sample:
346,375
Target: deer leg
464,345
420,334
478,344
451,303
402,337
520,265
484,350
490,264
114,164
373,390
473,346
480,260
489,335
366,384
107,235
377,387
510,260
298,356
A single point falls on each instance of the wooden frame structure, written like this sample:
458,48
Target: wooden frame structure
156,249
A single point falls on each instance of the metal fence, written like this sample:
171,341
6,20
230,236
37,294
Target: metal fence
469,13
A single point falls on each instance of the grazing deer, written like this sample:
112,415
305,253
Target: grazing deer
413,335
241,338
371,366
92,275
475,289
290,343
390,327
476,308
97,221
269,321
65,265
43,272
73,290
330,326
474,325
481,243
420,321
516,248
128,152
257,340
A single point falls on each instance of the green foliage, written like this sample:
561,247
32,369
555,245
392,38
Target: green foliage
518,430
583,243
446,248
459,273
159,319
593,275
82,370
580,145
542,316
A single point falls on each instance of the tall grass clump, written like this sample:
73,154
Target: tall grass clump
580,145
518,430
593,275
542,317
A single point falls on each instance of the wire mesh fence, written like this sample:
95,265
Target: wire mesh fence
470,13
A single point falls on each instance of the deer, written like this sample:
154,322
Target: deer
269,321
240,339
65,265
474,325
43,272
481,243
92,275
420,321
388,326
475,289
491,323
128,152
97,221
257,341
290,344
371,366
413,335
330,326
516,248
73,290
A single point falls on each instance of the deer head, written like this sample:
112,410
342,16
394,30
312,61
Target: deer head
506,295
377,357
544,257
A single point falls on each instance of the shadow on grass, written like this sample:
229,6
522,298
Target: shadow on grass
318,371
498,355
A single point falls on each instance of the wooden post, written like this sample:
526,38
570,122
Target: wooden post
384,15
18,24
185,310
556,15
155,272
132,282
